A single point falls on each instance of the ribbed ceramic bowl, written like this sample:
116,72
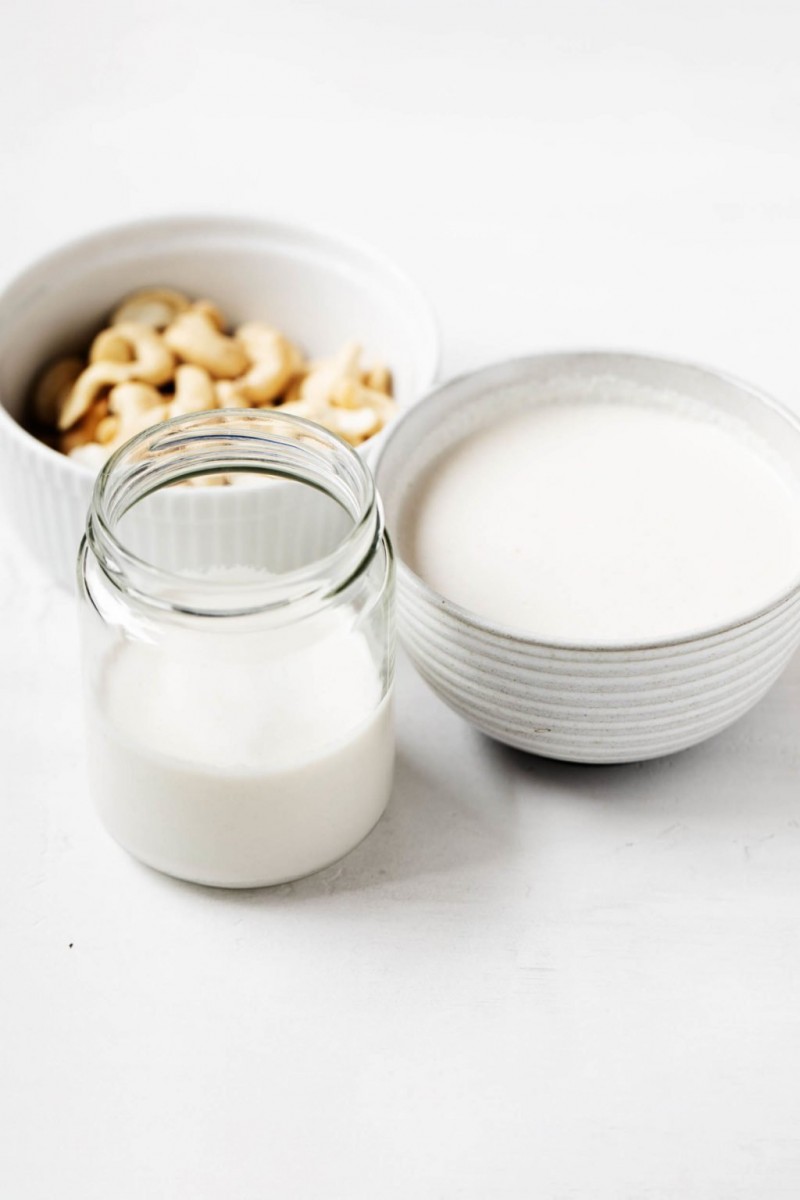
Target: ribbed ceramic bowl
321,291
579,703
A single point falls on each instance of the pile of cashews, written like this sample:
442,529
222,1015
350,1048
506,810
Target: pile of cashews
164,355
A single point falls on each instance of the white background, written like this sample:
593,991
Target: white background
533,980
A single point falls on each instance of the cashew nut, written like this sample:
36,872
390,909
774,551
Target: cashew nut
154,307
110,346
351,411
354,425
275,362
323,377
84,430
194,390
136,421
53,389
303,408
195,339
292,393
152,362
107,429
350,394
228,394
378,378
127,400
87,388
137,376
142,420
207,308
333,395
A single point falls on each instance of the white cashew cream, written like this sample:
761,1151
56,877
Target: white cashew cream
606,522
241,758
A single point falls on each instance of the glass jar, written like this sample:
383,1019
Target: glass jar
238,644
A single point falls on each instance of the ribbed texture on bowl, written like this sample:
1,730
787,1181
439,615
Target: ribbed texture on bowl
47,501
594,706
273,525
572,702
327,289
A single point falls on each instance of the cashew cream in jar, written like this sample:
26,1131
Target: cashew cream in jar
238,645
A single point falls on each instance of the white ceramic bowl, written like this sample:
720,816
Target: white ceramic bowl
320,290
572,701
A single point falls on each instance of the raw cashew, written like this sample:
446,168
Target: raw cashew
378,378
142,420
194,390
111,346
323,377
127,400
347,393
207,308
292,393
195,339
152,362
154,307
354,425
83,431
304,408
228,394
107,429
275,362
88,387
136,421
53,389
165,356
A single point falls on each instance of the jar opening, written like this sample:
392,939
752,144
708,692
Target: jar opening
295,520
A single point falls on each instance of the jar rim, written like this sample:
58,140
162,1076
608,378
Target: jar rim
270,443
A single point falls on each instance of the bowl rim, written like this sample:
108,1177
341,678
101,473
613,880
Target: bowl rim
62,254
472,620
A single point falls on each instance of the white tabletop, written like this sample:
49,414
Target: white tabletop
532,980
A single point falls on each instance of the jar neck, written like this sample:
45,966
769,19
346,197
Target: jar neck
275,446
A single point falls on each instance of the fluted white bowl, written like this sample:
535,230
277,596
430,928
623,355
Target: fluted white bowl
320,290
581,703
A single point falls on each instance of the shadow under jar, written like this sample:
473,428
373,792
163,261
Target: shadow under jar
238,646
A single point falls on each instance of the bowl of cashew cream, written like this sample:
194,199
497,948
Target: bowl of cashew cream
599,554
